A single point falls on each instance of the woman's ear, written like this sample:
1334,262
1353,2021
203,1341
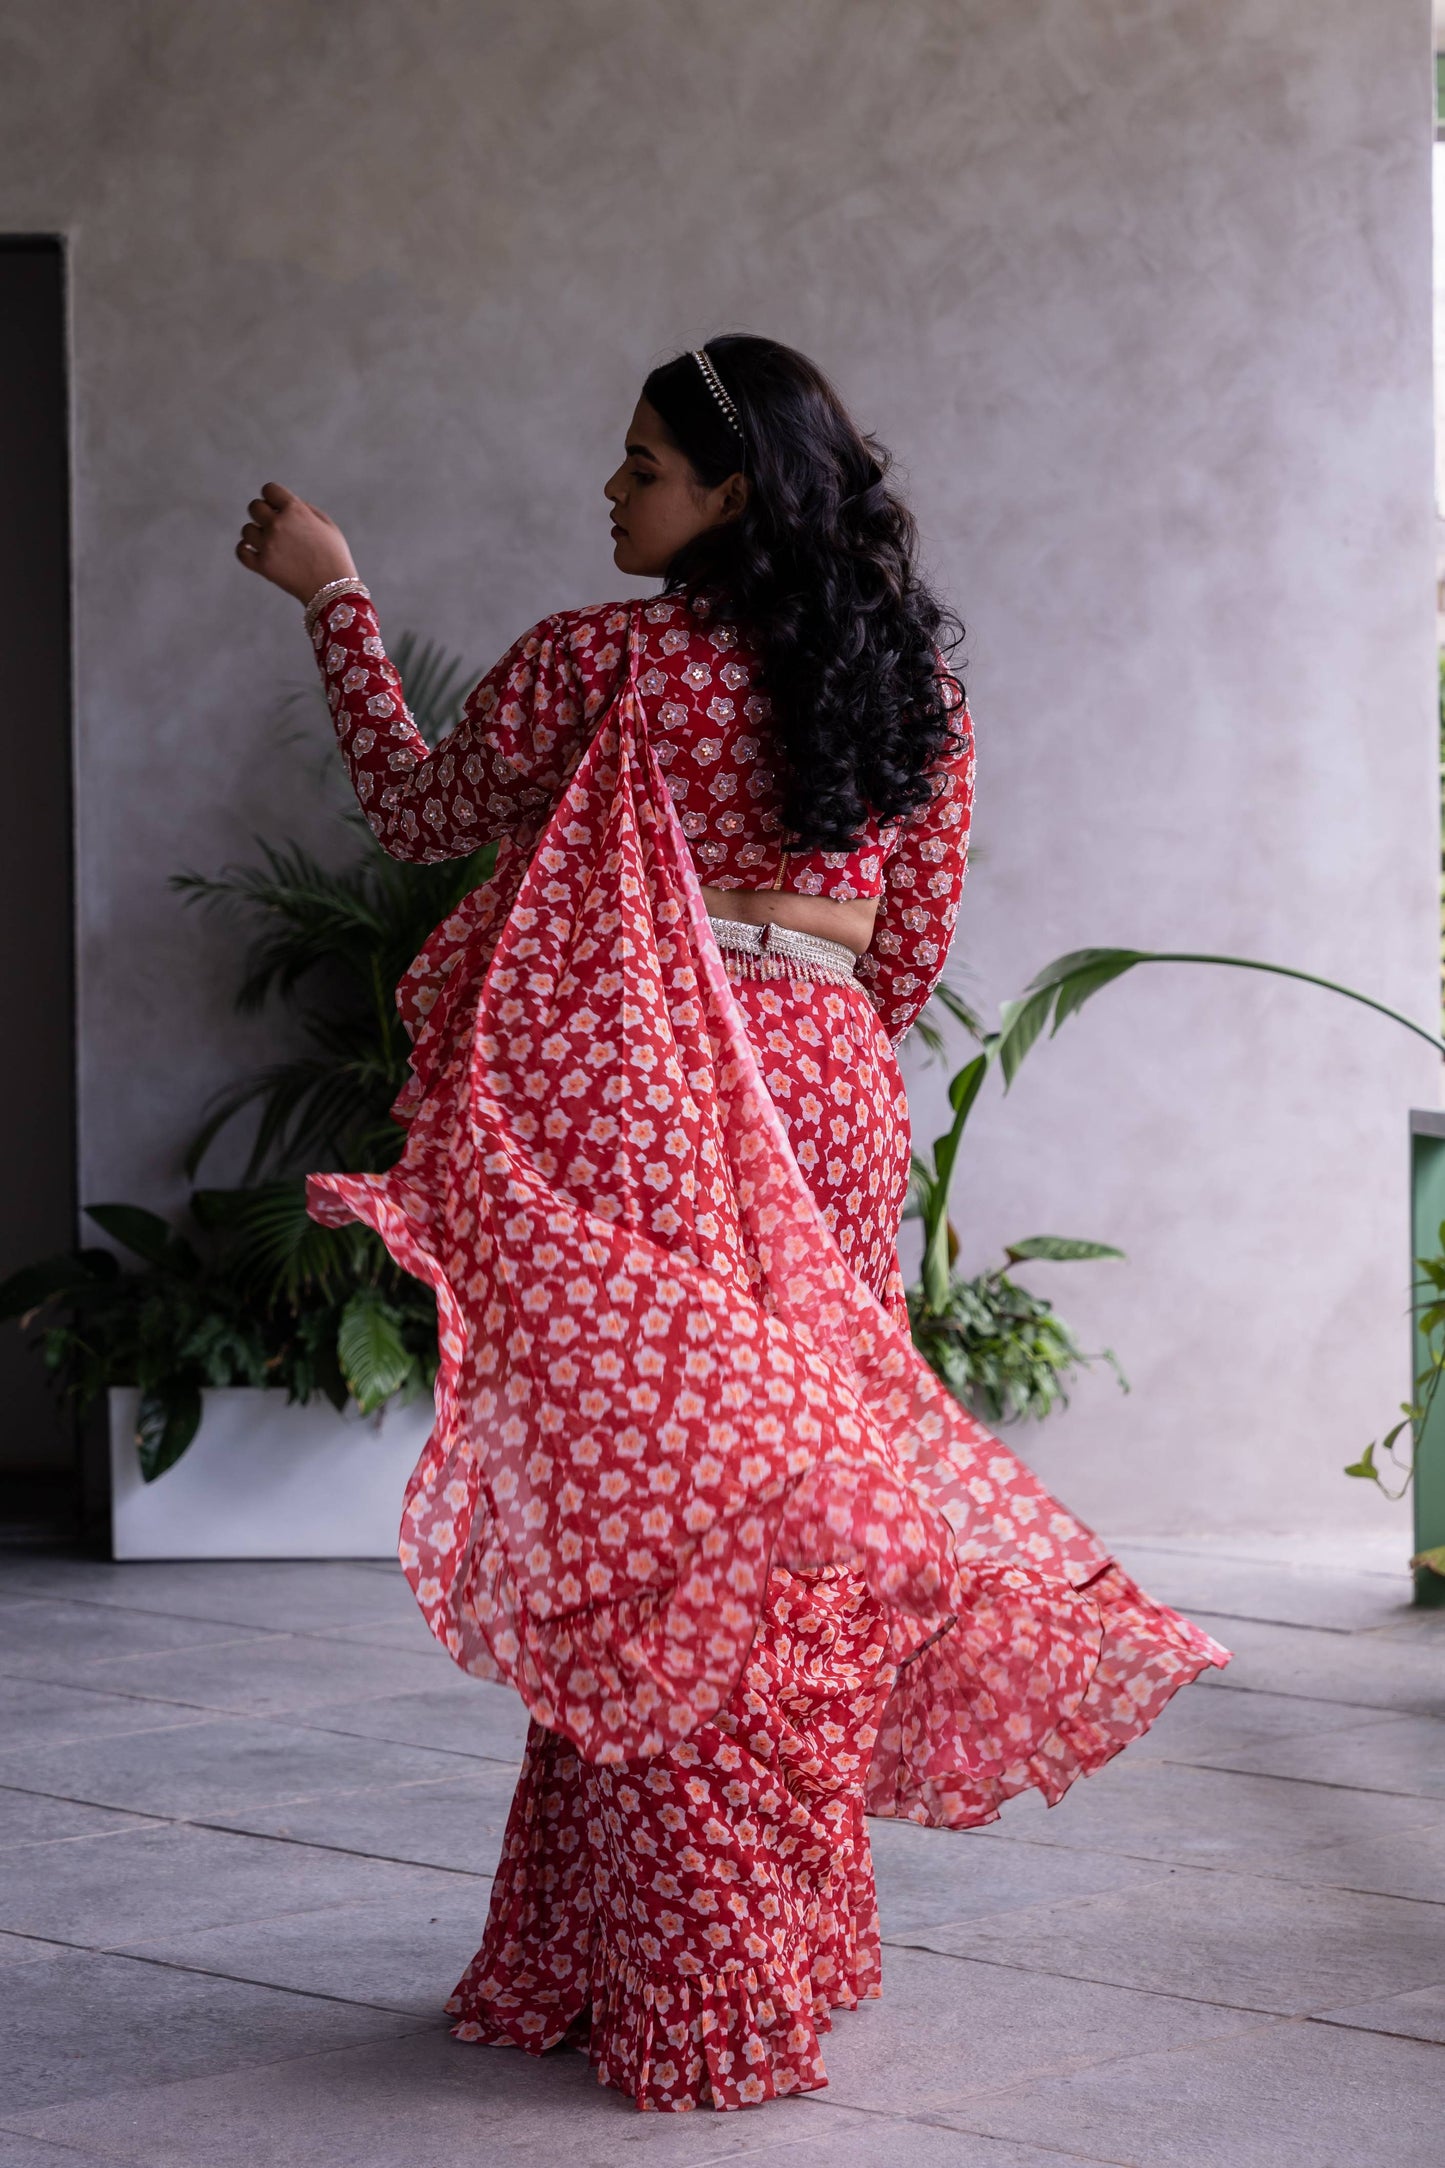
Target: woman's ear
736,491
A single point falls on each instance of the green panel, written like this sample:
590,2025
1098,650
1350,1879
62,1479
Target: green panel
1427,1200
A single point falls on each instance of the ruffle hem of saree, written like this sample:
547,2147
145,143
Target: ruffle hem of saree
730,2039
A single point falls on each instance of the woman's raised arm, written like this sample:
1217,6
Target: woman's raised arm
520,734
499,772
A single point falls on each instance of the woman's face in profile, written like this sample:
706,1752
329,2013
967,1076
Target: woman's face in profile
658,503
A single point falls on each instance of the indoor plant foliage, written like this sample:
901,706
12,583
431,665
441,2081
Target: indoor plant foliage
1061,989
1000,1349
251,1291
997,1347
1389,1457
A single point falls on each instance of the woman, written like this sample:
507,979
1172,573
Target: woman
691,1490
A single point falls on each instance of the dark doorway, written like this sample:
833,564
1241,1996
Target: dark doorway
39,1469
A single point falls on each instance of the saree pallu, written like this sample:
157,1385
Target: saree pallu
691,1490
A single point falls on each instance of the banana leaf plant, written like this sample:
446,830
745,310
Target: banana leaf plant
1055,994
1000,1349
1061,989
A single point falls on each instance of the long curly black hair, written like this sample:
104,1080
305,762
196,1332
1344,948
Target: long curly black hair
821,569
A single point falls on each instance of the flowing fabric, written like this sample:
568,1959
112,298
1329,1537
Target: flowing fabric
660,1381
696,1918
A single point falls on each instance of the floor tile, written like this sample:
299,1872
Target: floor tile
1364,1670
88,2024
407,1630
26,1819
1072,2002
1423,1626
23,1950
221,1765
38,1712
1198,1816
948,2029
853,2140
428,2098
482,1720
1373,1548
278,1676
1270,1589
1225,1938
1196,1725
173,1879
1410,1863
18,2151
1402,1754
1282,2095
928,1875
1419,2015
401,1953
455,1822
286,1595
76,1643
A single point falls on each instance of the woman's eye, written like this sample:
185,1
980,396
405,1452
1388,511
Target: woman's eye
640,474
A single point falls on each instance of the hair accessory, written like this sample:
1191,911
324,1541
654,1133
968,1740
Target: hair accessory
714,384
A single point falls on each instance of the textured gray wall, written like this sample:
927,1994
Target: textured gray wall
1139,291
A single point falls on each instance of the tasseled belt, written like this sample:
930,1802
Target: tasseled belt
780,952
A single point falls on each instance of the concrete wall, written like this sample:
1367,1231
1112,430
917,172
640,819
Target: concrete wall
1140,292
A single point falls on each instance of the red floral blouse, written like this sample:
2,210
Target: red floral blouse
524,727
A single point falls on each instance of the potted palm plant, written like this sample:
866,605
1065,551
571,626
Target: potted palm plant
276,1373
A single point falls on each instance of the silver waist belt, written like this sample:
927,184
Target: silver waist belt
810,955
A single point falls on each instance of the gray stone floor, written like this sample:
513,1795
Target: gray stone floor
247,1816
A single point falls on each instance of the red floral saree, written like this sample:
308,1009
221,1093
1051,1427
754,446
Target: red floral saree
692,1491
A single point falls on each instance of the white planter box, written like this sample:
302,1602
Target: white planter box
264,1479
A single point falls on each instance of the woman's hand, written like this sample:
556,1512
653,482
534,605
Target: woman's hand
292,543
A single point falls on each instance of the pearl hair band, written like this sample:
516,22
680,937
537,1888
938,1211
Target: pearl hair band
714,384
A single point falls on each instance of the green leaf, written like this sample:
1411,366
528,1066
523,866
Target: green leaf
962,1092
1058,1249
1086,981
961,1011
927,1033
1365,1467
29,1289
1070,981
167,1419
998,1348
144,1233
369,1347
1020,1023
920,1187
276,1248
1432,1561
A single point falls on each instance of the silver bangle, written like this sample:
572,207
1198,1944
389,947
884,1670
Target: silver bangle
350,585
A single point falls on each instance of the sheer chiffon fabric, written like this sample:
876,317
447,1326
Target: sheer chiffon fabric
691,1490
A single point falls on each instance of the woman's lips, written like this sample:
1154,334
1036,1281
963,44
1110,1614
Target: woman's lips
618,530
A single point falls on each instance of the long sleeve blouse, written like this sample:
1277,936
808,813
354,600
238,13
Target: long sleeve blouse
526,724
